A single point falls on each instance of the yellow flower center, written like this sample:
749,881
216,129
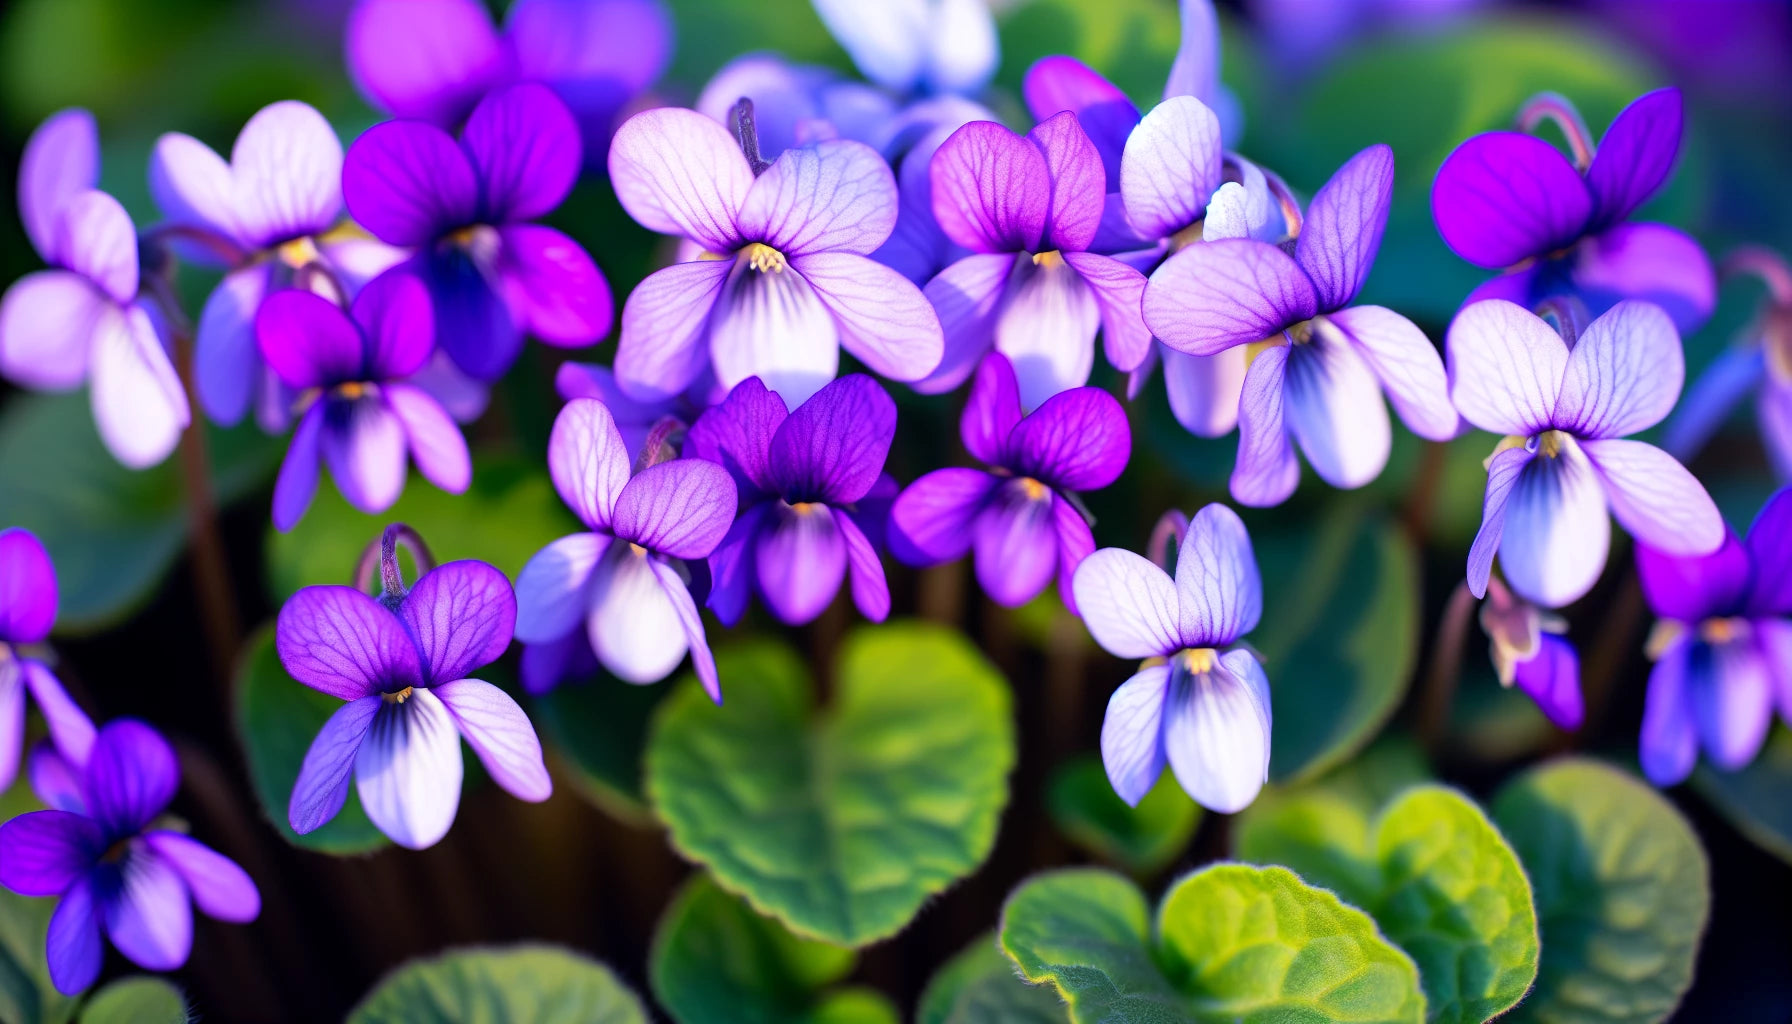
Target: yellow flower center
763,258
1048,259
352,390
1722,631
1033,489
298,252
397,697
1199,660
1550,443
1187,236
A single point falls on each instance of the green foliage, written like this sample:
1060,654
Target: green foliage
137,1000
1755,798
524,984
599,728
1141,839
26,994
1232,943
730,28
1622,888
841,821
1132,41
980,986
715,961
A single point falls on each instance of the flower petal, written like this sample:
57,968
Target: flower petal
1556,528
342,642
1652,262
1406,365
1669,745
1773,411
832,447
1731,691
1770,549
833,196
61,160
1172,167
1506,367
12,721
737,435
635,628
702,662
992,189
1076,181
887,41
553,287
131,776
287,166
1075,543
1655,498
322,786
427,59
47,323
1693,589
1335,412
933,519
1635,156
1503,472
771,324
1624,373
70,728
1077,441
788,99
408,182
1129,605
499,732
363,443
1503,197
731,566
1266,472
149,918
1344,224
681,173
870,589
1132,746
664,344
1047,329
544,666
799,559
681,508
880,316
226,362
408,770
1210,297
525,151
474,325
72,947
1058,83
586,458
1551,678
308,341
194,187
27,588
1118,290
1196,70
55,780
138,402
297,482
1216,731
596,54
219,885
1219,592
95,238
461,615
991,410
550,590
967,297
433,437
48,851
394,314
1017,543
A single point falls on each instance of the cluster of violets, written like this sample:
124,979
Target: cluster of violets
370,295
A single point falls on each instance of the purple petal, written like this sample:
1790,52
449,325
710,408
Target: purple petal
634,624
1129,605
1196,70
308,341
680,173
499,732
363,443
933,519
550,590
297,482
1624,373
150,917
525,151
870,590
433,437
1556,528
1266,472
1077,441
1335,412
1057,83
408,182
737,435
1344,223
1076,181
139,404
131,776
464,397
27,588
47,323
597,54
1503,472
1047,327
408,770
342,642
226,362
1204,391
12,721
1696,588
473,322
287,168
553,287
545,665
394,314
1218,590
1506,367
1775,638
61,159
322,786
72,947
832,448
48,851
772,325
788,99
462,615
1551,677
1075,543
1770,549
589,380
55,780
1655,498
1210,297
1503,197
1652,262
991,410
427,59
1119,290
1635,156
992,189
680,601
665,329
836,196
95,238
195,187
69,726
731,566
1216,731
799,559
1669,745
218,884
967,297
586,458
1132,747
1773,411
888,42
1016,542
1406,365
681,508
1171,168
1731,691
880,316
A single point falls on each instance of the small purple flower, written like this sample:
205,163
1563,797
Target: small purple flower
27,611
918,249
1201,701
433,60
624,583
1565,406
466,208
82,320
804,479
115,866
1529,650
1722,647
400,661
1318,366
1020,515
357,413
785,279
1511,201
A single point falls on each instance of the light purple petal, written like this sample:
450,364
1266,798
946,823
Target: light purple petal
1076,180
1770,549
1016,543
95,238
138,402
297,482
880,316
680,173
27,588
408,770
1118,290
1335,412
553,287
1557,530
220,886
836,196
1196,70
462,615
525,151
664,344
72,947
1406,365
1047,327
287,167
322,786
1216,731
433,437
131,776
1132,748
799,559
55,780
832,447
992,189
1266,472
1697,588
686,610
150,918
1551,678
1344,224
1129,605
1502,475
226,361
1076,541
1171,168
681,508
963,48
1624,373
1655,498
1775,638
550,591
1058,83
427,59
771,324
499,732
61,159
363,443
933,519
12,720
394,314
342,642
586,458
408,182
1218,590
788,99
545,665
1669,745
1503,197
634,625
1731,690
737,435
967,297
597,54
1077,441
47,323
1210,297
1652,262
1636,155
589,380
991,410
1773,411
308,341
870,589
195,187
69,726
47,851
1506,367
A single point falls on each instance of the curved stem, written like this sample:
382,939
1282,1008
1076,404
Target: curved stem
382,554
1446,667
1764,263
1551,106
1166,539
746,132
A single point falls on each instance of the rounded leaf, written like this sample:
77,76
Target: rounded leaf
539,984
1142,839
980,986
137,1000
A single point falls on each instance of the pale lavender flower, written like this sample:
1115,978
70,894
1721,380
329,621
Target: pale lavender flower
635,420
927,47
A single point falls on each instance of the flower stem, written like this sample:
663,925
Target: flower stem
1433,717
211,569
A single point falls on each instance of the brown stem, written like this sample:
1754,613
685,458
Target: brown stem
1422,501
211,570
1446,667
1616,641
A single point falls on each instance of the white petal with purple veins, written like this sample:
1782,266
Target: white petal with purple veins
408,770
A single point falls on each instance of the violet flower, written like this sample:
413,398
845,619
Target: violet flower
1511,201
1020,515
81,319
803,479
1318,366
1529,651
634,420
1722,647
1201,700
433,60
785,280
1566,402
623,582
466,207
1028,208
917,248
797,104
357,413
27,611
117,868
401,660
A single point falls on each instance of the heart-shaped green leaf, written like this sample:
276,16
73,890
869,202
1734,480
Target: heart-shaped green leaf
980,986
716,961
537,984
137,1000
1755,798
1623,892
1232,942
838,821
1141,839
1433,872
599,728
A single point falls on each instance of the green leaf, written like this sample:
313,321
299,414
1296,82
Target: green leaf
1141,839
1623,893
137,1000
1131,41
715,961
112,532
729,29
277,717
1233,943
980,986
1754,799
524,984
841,821
599,727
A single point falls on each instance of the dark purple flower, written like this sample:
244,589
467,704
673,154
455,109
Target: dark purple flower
1511,201
1529,651
357,413
433,60
117,872
1722,647
400,661
1020,515
27,611
465,207
624,583
803,478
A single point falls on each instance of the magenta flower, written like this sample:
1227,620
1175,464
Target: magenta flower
624,583
1318,365
81,319
1529,651
117,869
1513,202
433,60
785,280
27,611
1205,707
1566,406
466,206
401,662
808,480
358,416
1020,515
1722,647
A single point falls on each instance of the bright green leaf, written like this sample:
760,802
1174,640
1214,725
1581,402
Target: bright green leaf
1755,798
840,821
980,986
137,1000
599,727
1141,839
536,984
1623,893
1131,41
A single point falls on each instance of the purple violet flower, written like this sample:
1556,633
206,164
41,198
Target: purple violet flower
466,208
356,412
1565,402
785,280
433,60
1722,647
1512,202
1317,365
81,319
401,660
1020,515
1760,362
27,611
803,477
918,249
1201,700
1529,650
623,583
116,867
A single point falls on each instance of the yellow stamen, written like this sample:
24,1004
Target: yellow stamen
804,508
1508,442
1257,348
637,550
1550,443
352,390
1199,660
1187,236
398,697
1302,332
298,252
1034,490
1048,259
706,255
1722,631
763,258
1662,637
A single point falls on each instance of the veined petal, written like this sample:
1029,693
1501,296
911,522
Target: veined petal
1731,691
664,344
1692,589
799,561
1551,678
499,732
322,786
832,447
61,159
408,182
226,361
1216,731
771,324
870,589
47,851
1651,262
70,729
433,437
685,609
1624,373
1076,179
1077,441
1171,167
634,627
131,775
1502,197
1770,549
737,433
586,458
1016,542
149,917
1669,745
72,949
680,173
219,885
342,642
138,402
95,238
1557,529
1405,363
1210,297
525,151
1118,290
1343,227
194,187
297,482
1266,472
428,59
287,167
27,588
1655,498
1046,328
933,519
1335,412
880,316
681,508
48,320
308,341
1506,367
363,443
461,615
408,770
991,411
1219,593
1058,83
550,591
967,298
992,189
552,286
834,196
1129,605
1502,475
1132,746
1635,156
